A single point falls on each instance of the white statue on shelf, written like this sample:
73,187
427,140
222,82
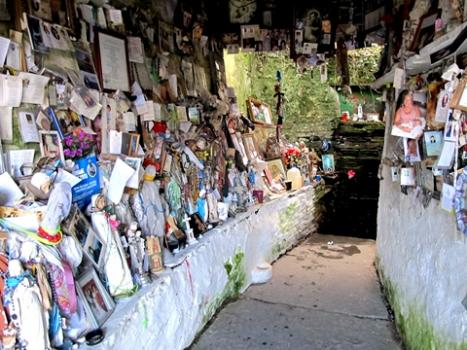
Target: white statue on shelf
137,253
189,231
149,207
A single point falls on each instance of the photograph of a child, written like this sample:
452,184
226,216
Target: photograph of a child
411,150
433,143
408,120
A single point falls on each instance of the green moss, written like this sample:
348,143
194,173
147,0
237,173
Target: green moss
287,218
415,329
236,275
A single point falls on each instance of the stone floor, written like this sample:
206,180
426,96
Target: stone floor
320,297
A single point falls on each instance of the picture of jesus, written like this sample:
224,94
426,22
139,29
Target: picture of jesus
408,120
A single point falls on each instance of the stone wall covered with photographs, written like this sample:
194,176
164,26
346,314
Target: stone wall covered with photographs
125,160
421,211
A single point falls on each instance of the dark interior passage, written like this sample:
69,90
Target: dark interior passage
351,204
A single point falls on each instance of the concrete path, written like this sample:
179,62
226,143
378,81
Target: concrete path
320,297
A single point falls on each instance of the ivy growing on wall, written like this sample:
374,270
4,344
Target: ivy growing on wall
312,107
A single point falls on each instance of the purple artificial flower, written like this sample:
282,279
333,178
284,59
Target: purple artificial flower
79,152
84,145
72,153
81,135
68,141
67,152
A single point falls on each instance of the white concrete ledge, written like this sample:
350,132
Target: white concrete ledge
169,313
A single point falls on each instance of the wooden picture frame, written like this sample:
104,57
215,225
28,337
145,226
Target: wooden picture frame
459,98
259,112
95,296
112,61
424,28
276,169
251,147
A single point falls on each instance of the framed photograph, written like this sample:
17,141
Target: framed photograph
250,146
194,116
51,146
459,98
411,151
259,112
166,37
41,9
425,31
433,143
112,61
91,322
79,227
95,295
87,71
276,169
328,163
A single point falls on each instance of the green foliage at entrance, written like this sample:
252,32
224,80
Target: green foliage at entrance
363,64
415,330
312,107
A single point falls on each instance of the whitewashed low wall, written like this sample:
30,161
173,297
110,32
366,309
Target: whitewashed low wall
169,313
423,261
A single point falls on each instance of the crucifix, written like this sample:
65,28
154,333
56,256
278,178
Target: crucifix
189,231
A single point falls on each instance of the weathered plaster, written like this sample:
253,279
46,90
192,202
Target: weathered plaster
422,262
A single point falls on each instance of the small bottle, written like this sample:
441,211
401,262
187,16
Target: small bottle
360,112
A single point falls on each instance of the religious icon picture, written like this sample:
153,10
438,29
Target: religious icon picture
328,163
408,120
194,115
51,146
96,296
250,146
433,143
411,150
276,169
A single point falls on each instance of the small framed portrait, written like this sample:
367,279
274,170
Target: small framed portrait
259,112
411,151
79,227
95,296
251,149
112,59
328,163
51,146
433,143
276,169
194,115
